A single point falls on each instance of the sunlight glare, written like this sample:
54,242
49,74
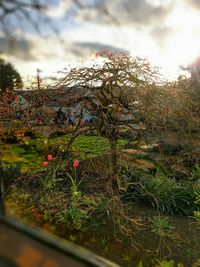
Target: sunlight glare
182,46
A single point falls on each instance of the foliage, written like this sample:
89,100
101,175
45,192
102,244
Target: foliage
160,226
112,208
170,263
72,210
54,146
79,208
9,77
197,201
50,204
23,154
162,192
196,173
197,216
122,86
197,212
29,153
13,136
166,195
9,172
83,146
52,177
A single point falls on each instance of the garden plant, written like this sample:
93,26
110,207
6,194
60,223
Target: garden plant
126,180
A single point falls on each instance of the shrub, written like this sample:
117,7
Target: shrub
163,193
13,136
9,172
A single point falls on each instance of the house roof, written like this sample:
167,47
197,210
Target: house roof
52,97
20,102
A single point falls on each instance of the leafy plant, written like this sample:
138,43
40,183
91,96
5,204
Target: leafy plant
170,263
74,215
197,212
50,204
160,226
196,173
9,172
197,216
51,177
112,208
162,192
159,192
197,201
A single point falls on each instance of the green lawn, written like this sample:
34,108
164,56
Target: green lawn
31,153
91,146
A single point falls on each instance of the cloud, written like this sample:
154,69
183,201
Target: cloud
16,47
193,3
136,12
58,9
34,48
148,28
51,56
161,34
87,49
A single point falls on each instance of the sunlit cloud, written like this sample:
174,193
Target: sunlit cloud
135,13
165,32
58,9
193,3
183,43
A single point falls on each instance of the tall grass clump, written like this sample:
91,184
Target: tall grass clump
162,193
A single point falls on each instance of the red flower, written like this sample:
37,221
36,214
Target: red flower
76,163
49,157
45,163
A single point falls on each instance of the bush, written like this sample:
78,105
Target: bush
9,172
12,136
163,193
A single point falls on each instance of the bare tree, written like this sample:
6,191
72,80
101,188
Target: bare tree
113,94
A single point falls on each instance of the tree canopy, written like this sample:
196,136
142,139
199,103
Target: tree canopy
9,77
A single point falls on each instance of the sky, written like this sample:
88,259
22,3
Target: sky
166,32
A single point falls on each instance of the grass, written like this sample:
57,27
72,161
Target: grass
91,146
18,154
162,192
31,153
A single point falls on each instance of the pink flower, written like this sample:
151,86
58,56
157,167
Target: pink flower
45,163
49,157
76,163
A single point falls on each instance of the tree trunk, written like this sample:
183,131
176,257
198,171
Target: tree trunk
113,158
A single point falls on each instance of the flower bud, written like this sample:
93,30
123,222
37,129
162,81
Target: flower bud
76,163
49,157
45,163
